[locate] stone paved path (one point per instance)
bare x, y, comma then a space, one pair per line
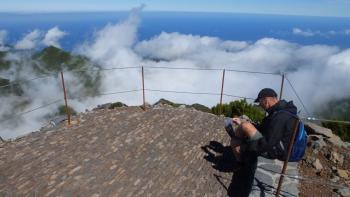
266, 181
122, 152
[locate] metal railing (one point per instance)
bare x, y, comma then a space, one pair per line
144, 90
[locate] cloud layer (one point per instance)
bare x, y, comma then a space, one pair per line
308, 67
3, 35
53, 36
310, 33
29, 41
37, 38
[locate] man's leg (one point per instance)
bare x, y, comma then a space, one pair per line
242, 180
250, 131
237, 136
236, 148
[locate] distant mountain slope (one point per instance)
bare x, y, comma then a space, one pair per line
337, 109
16, 67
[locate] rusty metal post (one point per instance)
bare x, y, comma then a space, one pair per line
65, 98
282, 83
143, 90
222, 91
296, 125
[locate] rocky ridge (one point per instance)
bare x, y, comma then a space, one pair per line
326, 164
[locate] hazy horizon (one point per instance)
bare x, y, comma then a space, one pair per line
167, 11
289, 7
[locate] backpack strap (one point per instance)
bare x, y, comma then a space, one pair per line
301, 129
288, 112
280, 144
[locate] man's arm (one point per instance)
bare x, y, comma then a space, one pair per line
270, 137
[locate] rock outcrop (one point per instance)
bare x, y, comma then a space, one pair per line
325, 167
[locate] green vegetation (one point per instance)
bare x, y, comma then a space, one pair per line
4, 64
234, 108
51, 60
196, 106
63, 111
4, 82
167, 102
54, 60
200, 107
6, 88
117, 104
340, 129
337, 110
238, 108
60, 111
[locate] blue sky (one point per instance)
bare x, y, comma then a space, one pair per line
290, 7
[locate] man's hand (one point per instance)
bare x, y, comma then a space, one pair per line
236, 148
237, 121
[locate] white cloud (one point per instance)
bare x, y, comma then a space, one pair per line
3, 35
230, 45
170, 46
332, 33
29, 41
310, 33
114, 40
52, 37
305, 65
347, 32
300, 32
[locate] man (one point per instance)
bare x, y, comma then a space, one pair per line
269, 139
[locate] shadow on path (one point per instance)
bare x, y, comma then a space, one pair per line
223, 160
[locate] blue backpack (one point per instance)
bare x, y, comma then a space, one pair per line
300, 141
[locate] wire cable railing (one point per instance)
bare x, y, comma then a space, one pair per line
183, 92
303, 178
26, 80
199, 93
309, 118
211, 69
252, 72
31, 110
102, 69
307, 179
297, 95
241, 97
325, 120
105, 94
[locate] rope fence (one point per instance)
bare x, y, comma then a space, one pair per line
308, 179
18, 82
297, 95
184, 92
325, 120
105, 94
283, 75
31, 110
302, 178
102, 69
